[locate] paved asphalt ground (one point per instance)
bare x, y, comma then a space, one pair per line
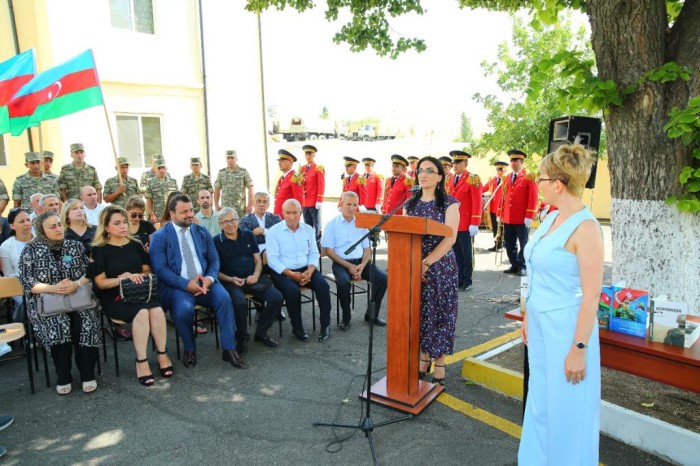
215, 414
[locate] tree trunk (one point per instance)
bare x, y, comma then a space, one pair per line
654, 246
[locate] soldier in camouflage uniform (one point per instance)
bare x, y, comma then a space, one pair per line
32, 182
233, 181
195, 182
4, 197
48, 163
119, 189
77, 174
148, 176
157, 191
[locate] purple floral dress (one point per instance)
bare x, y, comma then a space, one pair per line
439, 296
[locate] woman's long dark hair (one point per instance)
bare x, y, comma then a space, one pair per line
13, 216
440, 193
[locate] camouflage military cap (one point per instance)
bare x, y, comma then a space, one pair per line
157, 159
47, 154
32, 157
231, 153
77, 146
122, 161
195, 160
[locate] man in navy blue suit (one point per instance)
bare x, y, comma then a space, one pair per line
187, 264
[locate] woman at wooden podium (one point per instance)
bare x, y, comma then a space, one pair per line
565, 271
439, 298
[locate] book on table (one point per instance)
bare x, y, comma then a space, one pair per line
672, 324
628, 309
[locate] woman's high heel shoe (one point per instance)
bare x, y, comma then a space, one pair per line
422, 374
166, 372
439, 381
146, 380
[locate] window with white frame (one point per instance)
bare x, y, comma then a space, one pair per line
139, 138
135, 15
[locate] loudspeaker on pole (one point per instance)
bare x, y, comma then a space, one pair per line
565, 130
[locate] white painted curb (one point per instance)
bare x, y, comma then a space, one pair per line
657, 437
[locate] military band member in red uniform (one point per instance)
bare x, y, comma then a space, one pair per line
396, 187
314, 188
290, 184
449, 175
495, 190
466, 188
350, 178
518, 210
372, 186
412, 164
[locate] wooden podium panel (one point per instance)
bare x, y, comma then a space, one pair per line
401, 389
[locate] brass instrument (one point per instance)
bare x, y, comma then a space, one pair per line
499, 230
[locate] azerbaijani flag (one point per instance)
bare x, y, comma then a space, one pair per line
59, 91
14, 73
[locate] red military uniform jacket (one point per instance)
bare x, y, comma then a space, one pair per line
468, 192
449, 183
371, 189
490, 187
520, 198
397, 194
314, 184
289, 186
351, 183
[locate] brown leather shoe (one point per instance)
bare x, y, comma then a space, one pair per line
234, 358
189, 359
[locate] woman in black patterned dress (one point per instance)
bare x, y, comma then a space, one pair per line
52, 264
439, 298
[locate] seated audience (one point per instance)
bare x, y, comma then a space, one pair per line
52, 264
260, 220
207, 216
341, 233
240, 273
117, 256
11, 249
138, 227
88, 195
75, 224
292, 254
50, 203
187, 264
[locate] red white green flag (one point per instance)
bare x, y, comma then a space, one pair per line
56, 92
14, 73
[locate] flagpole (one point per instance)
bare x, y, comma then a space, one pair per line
111, 138
41, 150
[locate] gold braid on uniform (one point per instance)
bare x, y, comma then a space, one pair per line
298, 178
474, 180
408, 181
531, 176
319, 168
361, 180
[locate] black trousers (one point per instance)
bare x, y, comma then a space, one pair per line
85, 357
272, 303
312, 216
514, 234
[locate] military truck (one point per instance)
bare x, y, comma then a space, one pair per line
302, 129
368, 132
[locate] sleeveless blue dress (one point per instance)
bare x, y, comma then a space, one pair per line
561, 424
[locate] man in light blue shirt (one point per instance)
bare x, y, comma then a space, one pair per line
292, 255
341, 233
207, 216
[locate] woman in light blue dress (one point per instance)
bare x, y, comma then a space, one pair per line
565, 274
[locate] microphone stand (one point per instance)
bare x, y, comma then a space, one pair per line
366, 424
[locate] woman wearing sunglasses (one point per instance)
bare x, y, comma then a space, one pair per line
138, 227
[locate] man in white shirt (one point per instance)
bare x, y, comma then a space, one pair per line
88, 195
339, 234
208, 218
292, 254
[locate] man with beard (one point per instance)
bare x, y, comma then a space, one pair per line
187, 264
207, 217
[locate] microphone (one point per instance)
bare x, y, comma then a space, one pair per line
415, 190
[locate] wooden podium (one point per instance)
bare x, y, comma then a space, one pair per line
401, 389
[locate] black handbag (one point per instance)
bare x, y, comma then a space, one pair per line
136, 293
50, 304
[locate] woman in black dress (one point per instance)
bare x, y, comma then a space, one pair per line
76, 225
119, 257
138, 227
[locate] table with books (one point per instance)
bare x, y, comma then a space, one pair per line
673, 365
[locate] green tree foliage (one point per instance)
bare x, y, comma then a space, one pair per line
465, 129
523, 122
